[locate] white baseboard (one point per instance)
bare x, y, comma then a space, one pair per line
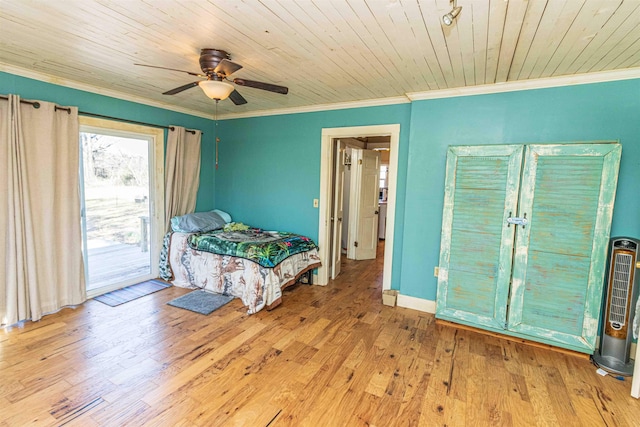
414, 303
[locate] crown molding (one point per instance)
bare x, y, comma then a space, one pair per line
543, 83
47, 78
23, 72
548, 82
320, 107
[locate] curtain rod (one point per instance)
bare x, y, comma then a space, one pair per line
84, 113
36, 104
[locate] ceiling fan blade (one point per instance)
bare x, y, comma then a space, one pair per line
236, 98
227, 67
260, 85
171, 69
181, 88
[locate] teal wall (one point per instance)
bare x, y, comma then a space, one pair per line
604, 111
270, 166
98, 104
269, 169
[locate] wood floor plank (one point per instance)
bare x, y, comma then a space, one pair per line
34, 409
417, 383
117, 413
541, 401
327, 356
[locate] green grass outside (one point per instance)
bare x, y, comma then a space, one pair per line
113, 214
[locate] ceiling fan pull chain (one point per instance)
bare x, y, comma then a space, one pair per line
216, 131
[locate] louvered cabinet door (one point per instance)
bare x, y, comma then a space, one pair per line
481, 190
567, 194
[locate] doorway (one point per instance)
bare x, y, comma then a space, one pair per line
329, 145
121, 172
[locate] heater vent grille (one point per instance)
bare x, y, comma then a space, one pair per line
620, 288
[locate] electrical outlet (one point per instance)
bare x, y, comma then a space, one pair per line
315, 203
436, 271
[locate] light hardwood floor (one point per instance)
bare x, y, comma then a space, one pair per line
328, 356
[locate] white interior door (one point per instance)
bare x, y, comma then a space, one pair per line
338, 211
635, 381
367, 183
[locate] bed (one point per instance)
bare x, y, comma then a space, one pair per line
248, 263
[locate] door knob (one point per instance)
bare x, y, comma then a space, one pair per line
376, 212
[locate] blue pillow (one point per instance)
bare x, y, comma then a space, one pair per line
197, 222
223, 214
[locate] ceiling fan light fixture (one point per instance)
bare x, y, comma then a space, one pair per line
216, 89
449, 17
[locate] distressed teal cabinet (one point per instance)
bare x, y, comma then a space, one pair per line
524, 239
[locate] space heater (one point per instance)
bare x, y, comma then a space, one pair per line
622, 293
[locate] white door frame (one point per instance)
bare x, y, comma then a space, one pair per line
156, 178
328, 146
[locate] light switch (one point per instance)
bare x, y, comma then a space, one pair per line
315, 203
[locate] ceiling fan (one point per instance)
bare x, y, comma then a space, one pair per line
217, 67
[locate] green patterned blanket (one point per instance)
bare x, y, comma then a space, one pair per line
267, 248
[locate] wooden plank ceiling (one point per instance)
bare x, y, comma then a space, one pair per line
325, 51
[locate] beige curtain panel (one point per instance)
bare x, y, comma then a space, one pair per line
182, 172
41, 269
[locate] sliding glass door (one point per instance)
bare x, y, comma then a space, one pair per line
119, 194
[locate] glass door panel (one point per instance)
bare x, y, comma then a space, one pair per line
116, 209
